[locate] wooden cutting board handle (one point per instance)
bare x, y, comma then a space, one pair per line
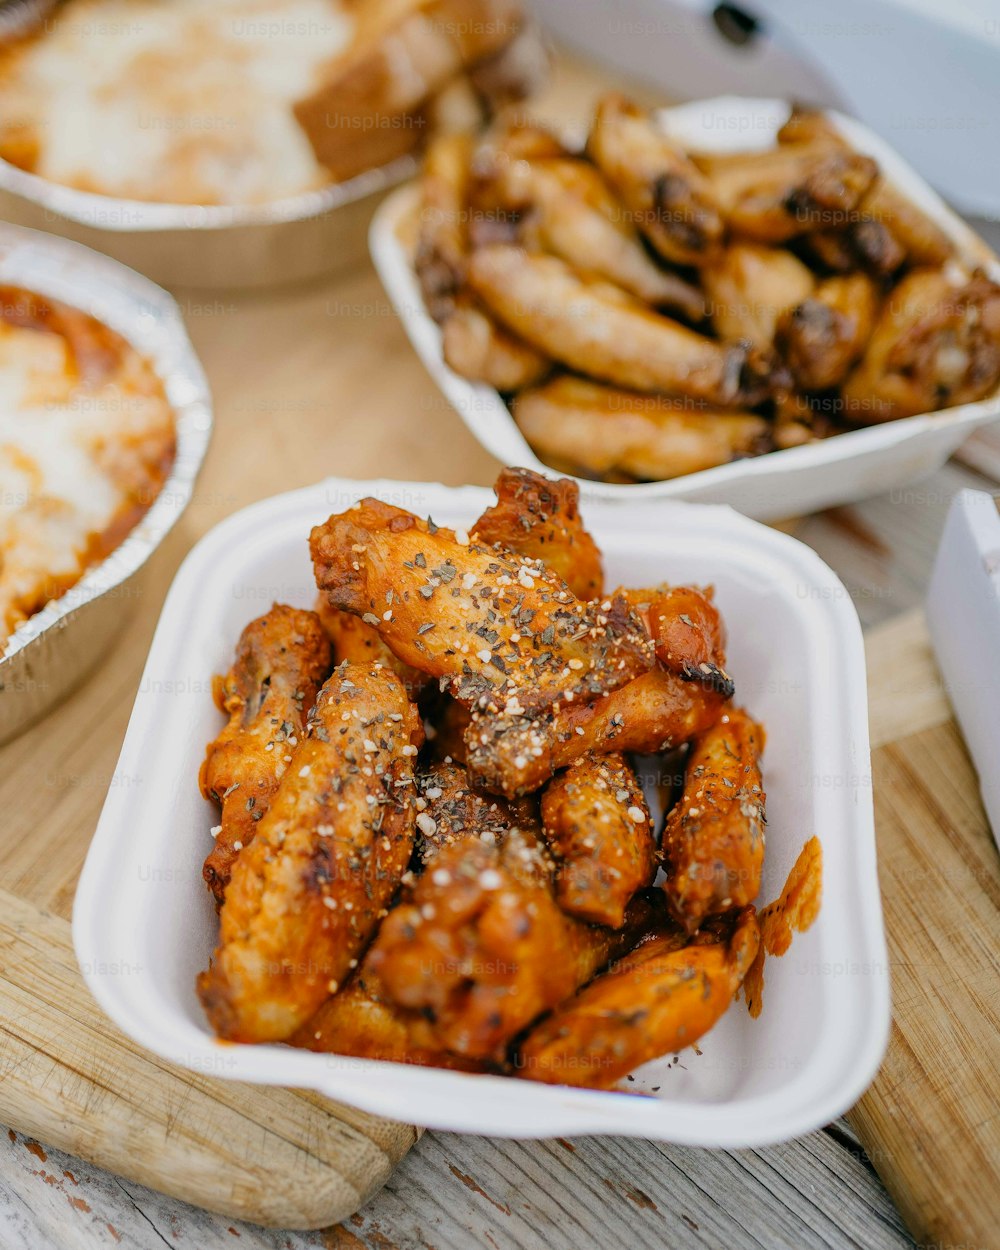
278, 1157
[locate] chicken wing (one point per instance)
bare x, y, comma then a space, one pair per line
936, 344
306, 895
575, 216
666, 196
483, 948
822, 337
689, 635
282, 659
600, 432
546, 303
537, 517
360, 1021
498, 630
450, 808
714, 836
750, 286
598, 827
515, 754
358, 643
777, 194
897, 229
479, 349
656, 1001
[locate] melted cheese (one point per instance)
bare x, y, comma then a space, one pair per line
78, 463
181, 102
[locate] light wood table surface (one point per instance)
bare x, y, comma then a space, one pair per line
322, 381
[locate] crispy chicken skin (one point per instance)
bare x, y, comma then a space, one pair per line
714, 837
658, 711
749, 286
483, 947
497, 629
450, 808
822, 337
548, 304
668, 198
655, 1001
598, 828
282, 659
602, 432
936, 344
537, 517
574, 215
307, 894
358, 643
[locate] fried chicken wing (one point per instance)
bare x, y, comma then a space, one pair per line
598, 827
498, 630
306, 895
450, 808
546, 303
896, 229
822, 337
602, 432
360, 1021
575, 216
537, 517
656, 1001
483, 948
515, 754
358, 643
668, 199
750, 286
714, 836
690, 637
475, 346
936, 343
282, 659
782, 192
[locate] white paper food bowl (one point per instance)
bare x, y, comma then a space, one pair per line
782, 483
144, 924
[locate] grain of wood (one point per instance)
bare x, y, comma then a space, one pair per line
68, 1077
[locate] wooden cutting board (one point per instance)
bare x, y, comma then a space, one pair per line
930, 1123
284, 1158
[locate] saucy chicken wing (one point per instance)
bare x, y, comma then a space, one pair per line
936, 344
483, 947
655, 1001
689, 635
822, 337
548, 304
714, 837
307, 894
750, 286
540, 518
667, 197
515, 754
282, 659
598, 828
601, 432
498, 630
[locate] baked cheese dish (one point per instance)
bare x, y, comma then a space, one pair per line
87, 439
241, 102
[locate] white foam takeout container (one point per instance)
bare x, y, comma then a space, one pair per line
144, 924
779, 484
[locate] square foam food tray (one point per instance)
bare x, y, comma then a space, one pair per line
144, 924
